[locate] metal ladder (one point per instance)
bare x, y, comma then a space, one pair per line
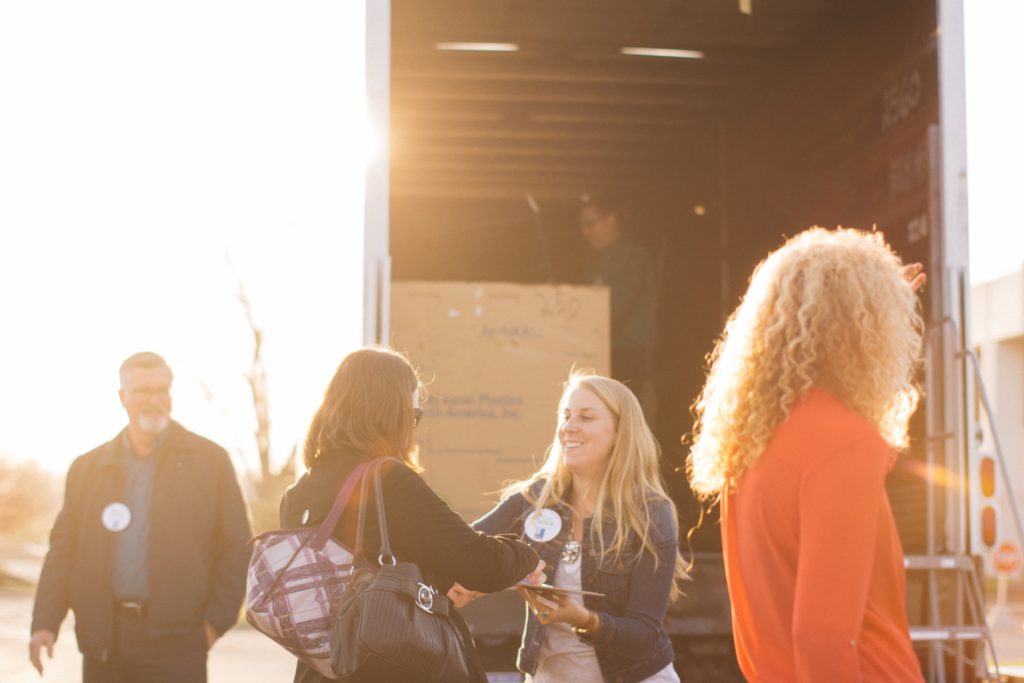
938, 635
946, 447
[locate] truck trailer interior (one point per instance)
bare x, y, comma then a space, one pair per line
796, 113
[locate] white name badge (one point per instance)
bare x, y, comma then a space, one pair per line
542, 525
116, 517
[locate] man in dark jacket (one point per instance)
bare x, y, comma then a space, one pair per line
628, 270
150, 548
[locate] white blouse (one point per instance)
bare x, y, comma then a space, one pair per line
564, 656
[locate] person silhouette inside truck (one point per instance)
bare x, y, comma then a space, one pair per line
627, 269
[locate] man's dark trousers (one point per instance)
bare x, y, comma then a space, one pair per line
139, 658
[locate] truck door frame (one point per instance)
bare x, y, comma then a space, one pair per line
953, 286
376, 254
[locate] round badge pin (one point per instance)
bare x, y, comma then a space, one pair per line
542, 525
116, 517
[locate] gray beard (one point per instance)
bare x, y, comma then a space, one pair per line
153, 425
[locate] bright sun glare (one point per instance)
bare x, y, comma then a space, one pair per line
143, 146
137, 163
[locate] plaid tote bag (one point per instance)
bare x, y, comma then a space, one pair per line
294, 578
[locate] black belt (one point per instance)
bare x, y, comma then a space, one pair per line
134, 608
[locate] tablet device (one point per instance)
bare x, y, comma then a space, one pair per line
546, 589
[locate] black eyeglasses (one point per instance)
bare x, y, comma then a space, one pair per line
417, 415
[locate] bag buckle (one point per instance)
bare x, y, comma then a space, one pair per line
425, 598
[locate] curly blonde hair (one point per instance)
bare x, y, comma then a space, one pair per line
830, 308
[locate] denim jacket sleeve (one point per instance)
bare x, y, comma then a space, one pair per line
650, 584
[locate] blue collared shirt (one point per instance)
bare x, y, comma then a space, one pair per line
131, 547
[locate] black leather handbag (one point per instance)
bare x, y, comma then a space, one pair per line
390, 624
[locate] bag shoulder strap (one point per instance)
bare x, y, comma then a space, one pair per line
326, 528
373, 474
385, 542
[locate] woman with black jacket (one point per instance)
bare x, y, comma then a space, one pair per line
370, 411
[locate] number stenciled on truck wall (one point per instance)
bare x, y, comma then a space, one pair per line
917, 228
901, 98
908, 170
559, 304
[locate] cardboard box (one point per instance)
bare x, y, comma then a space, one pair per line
495, 357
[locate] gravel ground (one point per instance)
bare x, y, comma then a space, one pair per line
242, 655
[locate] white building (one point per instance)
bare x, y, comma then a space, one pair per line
997, 332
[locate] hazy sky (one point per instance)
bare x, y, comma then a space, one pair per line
141, 143
995, 137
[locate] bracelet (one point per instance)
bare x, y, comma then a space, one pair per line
590, 627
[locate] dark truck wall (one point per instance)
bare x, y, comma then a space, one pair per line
847, 142
844, 136
838, 132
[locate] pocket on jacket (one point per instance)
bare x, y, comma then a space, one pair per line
613, 581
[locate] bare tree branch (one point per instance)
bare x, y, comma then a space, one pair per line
257, 380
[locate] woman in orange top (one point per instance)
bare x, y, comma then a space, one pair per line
808, 397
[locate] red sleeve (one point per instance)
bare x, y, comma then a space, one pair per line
839, 503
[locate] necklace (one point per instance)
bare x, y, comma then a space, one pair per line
571, 549
571, 552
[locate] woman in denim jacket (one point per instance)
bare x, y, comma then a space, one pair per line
598, 516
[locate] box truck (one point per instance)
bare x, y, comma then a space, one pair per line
723, 127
